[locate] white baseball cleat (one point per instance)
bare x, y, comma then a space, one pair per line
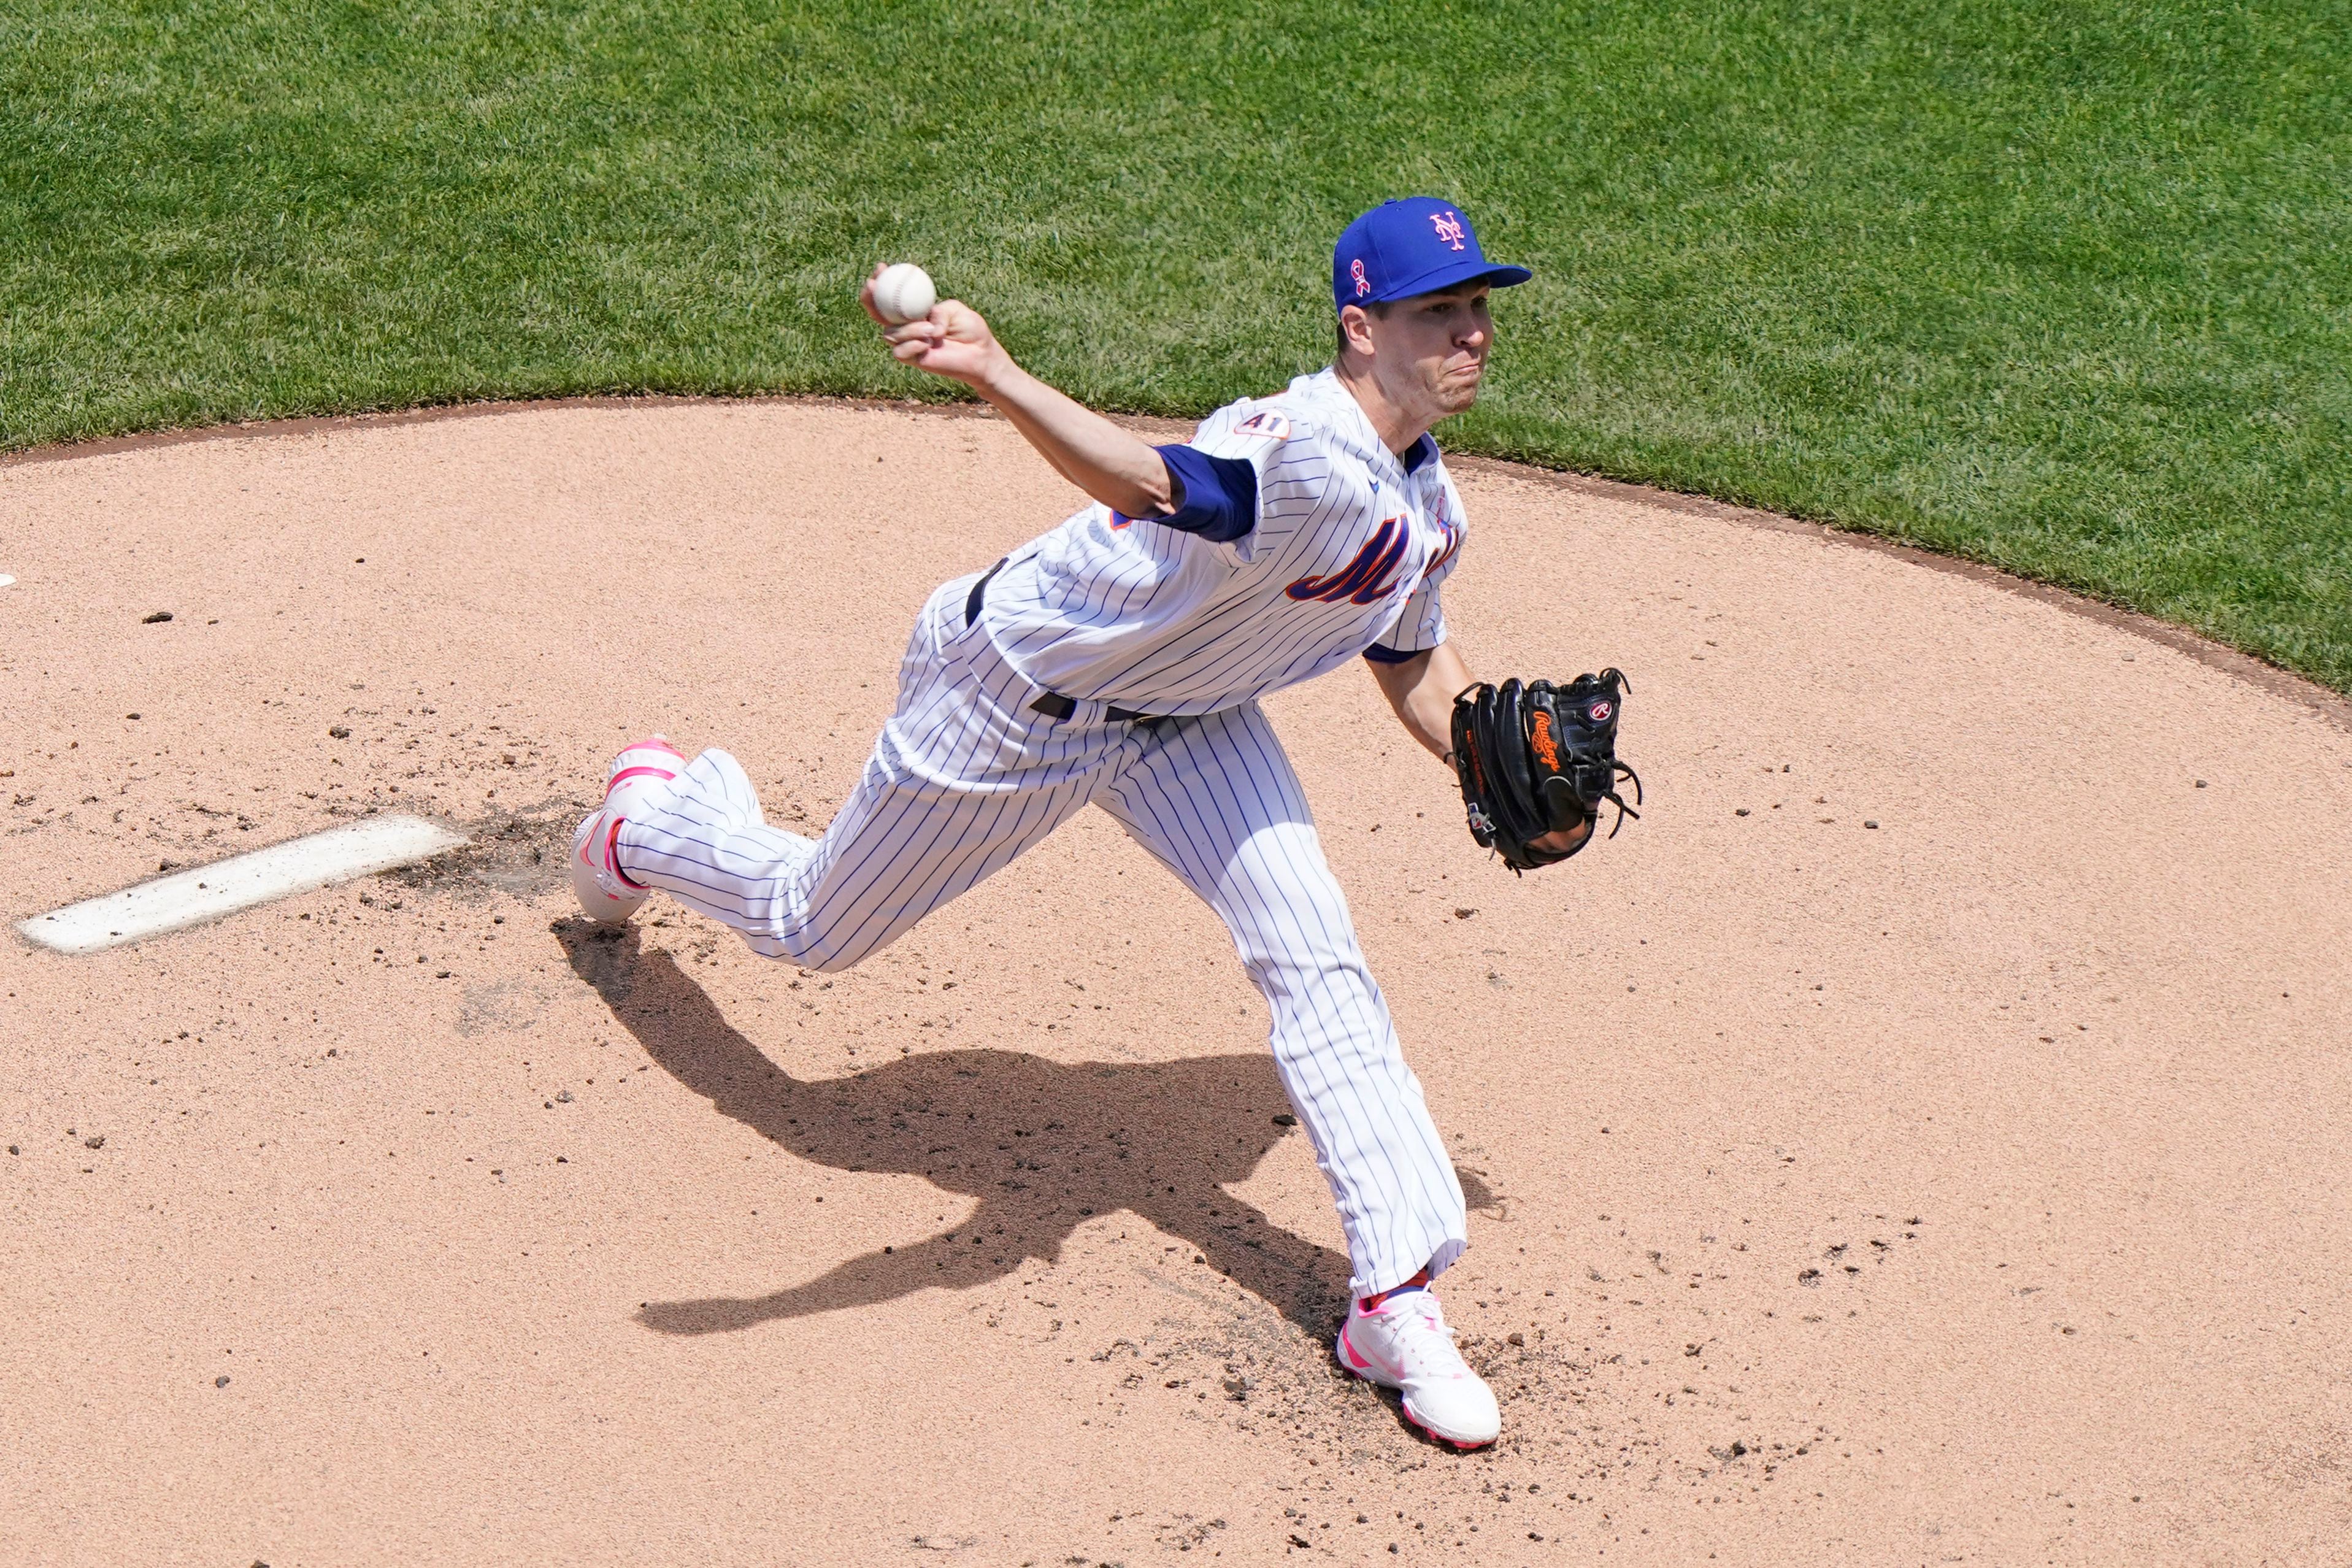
643, 769
1404, 1343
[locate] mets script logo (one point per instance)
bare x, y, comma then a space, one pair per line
1355, 271
1446, 551
1371, 576
1449, 228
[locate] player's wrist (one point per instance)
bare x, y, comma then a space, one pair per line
998, 377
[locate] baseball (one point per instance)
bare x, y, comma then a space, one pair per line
904, 293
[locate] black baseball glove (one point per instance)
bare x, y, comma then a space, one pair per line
1537, 758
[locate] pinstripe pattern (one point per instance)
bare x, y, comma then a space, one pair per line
1163, 621
964, 777
1214, 800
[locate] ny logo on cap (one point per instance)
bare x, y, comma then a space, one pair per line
1449, 228
1363, 284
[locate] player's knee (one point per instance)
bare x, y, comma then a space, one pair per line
823, 950
1305, 970
801, 949
824, 962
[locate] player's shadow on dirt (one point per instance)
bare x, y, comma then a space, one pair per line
1043, 1145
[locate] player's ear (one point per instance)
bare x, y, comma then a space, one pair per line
1355, 329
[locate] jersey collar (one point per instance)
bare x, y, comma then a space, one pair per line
1324, 387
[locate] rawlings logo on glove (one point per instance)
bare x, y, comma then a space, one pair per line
1537, 759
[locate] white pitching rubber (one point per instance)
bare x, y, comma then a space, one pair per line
190, 898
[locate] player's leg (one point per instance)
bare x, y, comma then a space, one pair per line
1215, 800
963, 778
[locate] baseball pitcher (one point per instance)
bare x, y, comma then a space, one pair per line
1120, 661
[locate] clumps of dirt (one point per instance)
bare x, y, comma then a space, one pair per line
1844, 1259
518, 852
1752, 1459
1353, 1445
1263, 1374
1185, 1531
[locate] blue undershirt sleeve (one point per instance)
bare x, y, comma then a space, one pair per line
1216, 497
1380, 655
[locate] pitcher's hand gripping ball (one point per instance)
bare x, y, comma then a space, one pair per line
902, 293
1537, 758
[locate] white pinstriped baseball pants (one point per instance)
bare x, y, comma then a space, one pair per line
964, 777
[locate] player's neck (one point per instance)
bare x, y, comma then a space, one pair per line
1399, 430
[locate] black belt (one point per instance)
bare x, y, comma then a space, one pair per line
979, 594
1052, 704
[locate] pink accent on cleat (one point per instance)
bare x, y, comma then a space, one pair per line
612, 862
640, 775
639, 771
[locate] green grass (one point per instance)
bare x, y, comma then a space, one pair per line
2061, 286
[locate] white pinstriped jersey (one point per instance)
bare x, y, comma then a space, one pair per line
1349, 551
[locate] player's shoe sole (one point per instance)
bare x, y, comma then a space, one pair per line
606, 894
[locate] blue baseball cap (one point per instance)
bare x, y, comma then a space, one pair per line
1415, 245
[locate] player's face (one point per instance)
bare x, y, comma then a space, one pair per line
1430, 351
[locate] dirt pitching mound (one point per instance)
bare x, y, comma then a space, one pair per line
1919, 1138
